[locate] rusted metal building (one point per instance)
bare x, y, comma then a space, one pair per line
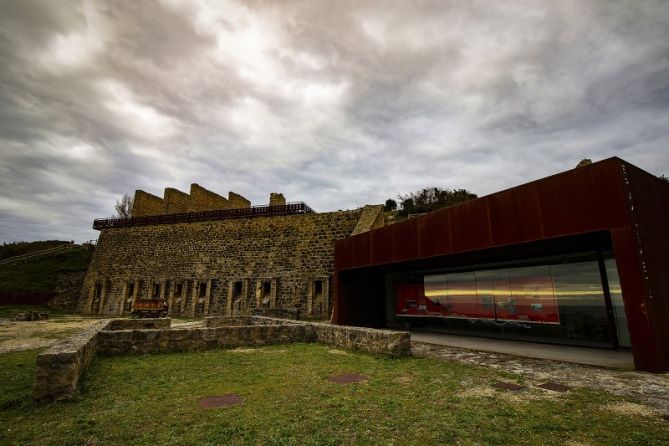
581, 258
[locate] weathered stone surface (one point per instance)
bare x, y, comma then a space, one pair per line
372, 218
369, 340
231, 267
68, 290
124, 342
133, 324
145, 204
228, 321
175, 201
202, 199
59, 368
276, 198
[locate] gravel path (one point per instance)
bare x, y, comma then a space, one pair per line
647, 388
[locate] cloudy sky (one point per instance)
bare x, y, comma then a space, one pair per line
335, 103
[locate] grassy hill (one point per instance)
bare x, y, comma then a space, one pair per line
40, 274
19, 248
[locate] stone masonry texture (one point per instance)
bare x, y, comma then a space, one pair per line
225, 267
175, 201
60, 368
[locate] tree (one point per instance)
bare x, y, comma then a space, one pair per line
390, 205
432, 198
664, 178
124, 207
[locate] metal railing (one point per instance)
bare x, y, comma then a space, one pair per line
222, 214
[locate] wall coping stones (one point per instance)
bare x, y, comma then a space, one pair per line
130, 324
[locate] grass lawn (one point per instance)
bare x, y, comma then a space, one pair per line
152, 400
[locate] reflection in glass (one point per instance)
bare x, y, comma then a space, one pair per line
617, 302
532, 296
559, 301
461, 300
581, 299
435, 289
492, 288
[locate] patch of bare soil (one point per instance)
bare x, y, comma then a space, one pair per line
630, 409
17, 336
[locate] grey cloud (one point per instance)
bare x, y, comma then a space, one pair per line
334, 103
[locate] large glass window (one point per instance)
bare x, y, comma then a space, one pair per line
560, 300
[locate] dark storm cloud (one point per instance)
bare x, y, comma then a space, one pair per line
335, 103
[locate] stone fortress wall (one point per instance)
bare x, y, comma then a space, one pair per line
174, 201
224, 267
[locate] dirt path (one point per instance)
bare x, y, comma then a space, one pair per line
17, 336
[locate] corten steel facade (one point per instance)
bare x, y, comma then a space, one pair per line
609, 206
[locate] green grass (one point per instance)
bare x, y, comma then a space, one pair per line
152, 400
19, 248
40, 274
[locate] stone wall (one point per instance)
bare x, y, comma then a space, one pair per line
59, 368
206, 200
175, 201
237, 201
276, 198
385, 342
138, 324
123, 342
372, 218
68, 290
222, 332
369, 340
145, 204
224, 267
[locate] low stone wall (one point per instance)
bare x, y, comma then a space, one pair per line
125, 342
385, 342
60, 367
229, 321
138, 324
368, 340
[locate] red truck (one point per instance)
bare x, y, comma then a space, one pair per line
149, 308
